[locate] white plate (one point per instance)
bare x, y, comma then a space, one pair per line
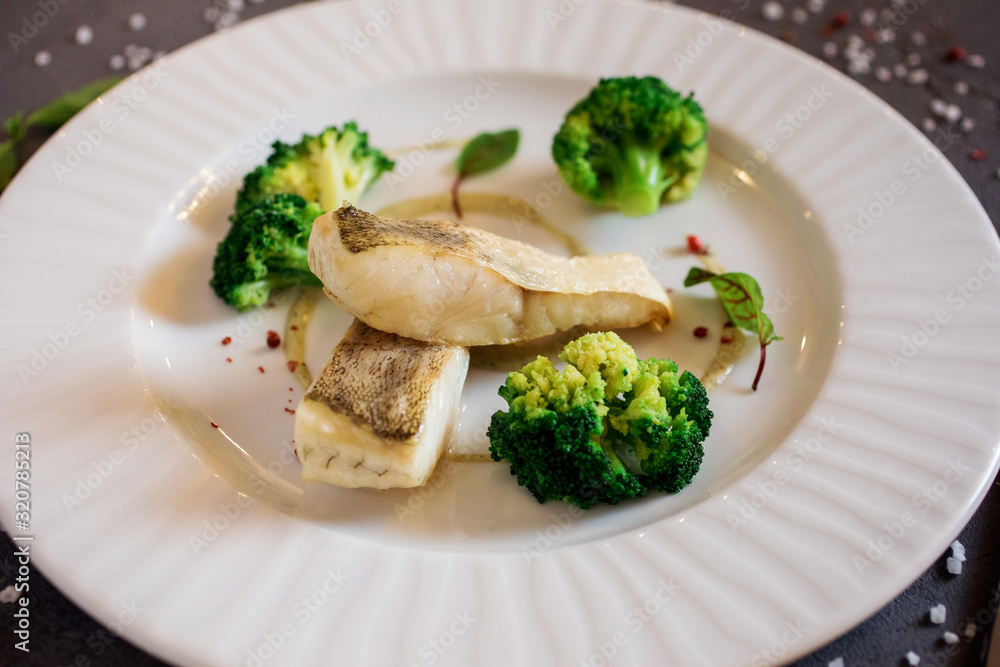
872, 439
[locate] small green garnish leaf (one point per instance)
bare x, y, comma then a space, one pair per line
484, 152
743, 301
487, 151
54, 115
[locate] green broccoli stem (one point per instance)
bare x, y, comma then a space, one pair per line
278, 281
639, 176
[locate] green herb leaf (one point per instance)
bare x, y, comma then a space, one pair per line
487, 151
743, 301
55, 114
8, 162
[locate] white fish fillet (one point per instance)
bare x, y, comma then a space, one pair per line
449, 283
380, 411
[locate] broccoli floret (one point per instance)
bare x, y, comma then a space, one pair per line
664, 420
265, 249
566, 432
632, 144
329, 168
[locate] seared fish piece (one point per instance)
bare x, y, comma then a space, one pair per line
379, 412
449, 283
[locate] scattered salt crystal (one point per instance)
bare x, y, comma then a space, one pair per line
975, 61
226, 20
859, 66
939, 107
211, 14
137, 21
830, 49
116, 62
9, 594
950, 638
883, 74
885, 36
43, 58
131, 50
899, 70
958, 550
912, 59
836, 662
917, 77
868, 17
954, 565
84, 35
939, 614
967, 125
912, 658
772, 11
929, 124
815, 6
800, 16
918, 38
953, 113
855, 41
961, 87
969, 631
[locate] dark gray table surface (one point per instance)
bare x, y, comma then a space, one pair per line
63, 634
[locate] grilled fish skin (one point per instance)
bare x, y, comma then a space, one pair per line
379, 412
448, 283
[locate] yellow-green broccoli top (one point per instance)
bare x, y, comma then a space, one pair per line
566, 433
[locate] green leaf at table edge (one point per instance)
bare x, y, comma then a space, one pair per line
487, 151
8, 162
56, 113
50, 117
